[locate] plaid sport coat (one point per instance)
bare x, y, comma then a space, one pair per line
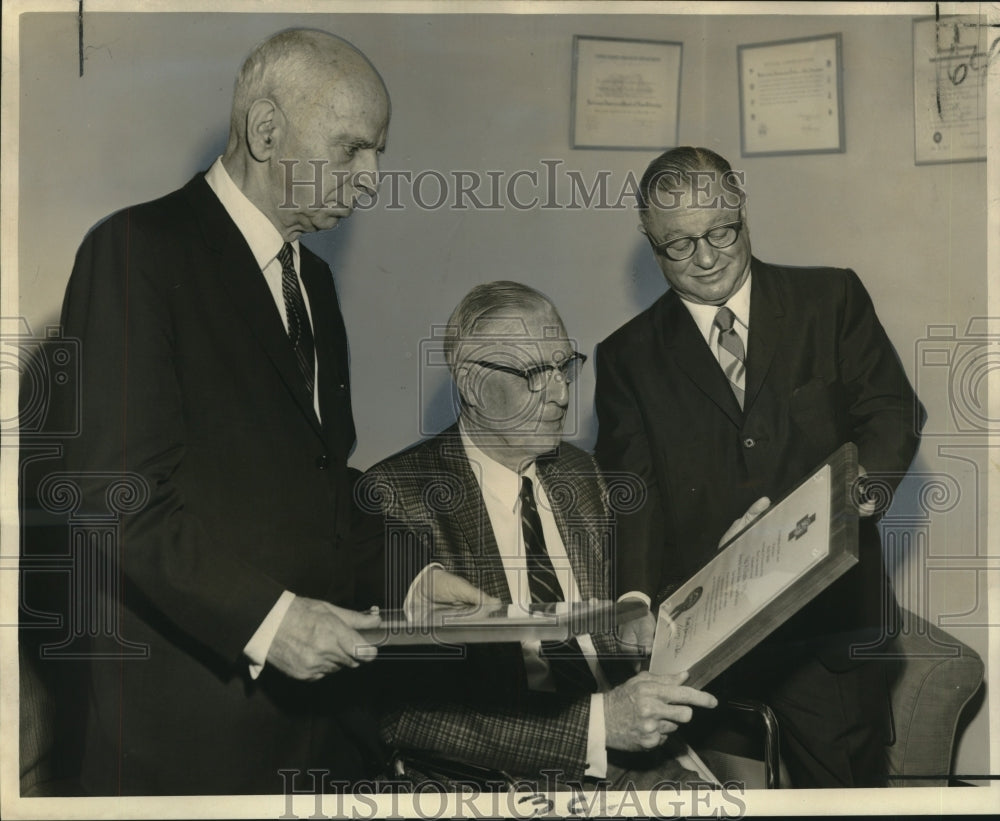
474, 704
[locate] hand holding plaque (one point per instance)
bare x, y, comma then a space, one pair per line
762, 575
758, 507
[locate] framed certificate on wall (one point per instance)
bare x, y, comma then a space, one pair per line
626, 93
762, 576
951, 59
791, 97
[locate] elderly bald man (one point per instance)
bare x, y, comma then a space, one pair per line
215, 371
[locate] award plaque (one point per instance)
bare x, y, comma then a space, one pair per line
554, 621
762, 576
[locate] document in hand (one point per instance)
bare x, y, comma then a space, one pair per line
763, 575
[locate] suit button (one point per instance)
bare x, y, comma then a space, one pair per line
749, 442
322, 461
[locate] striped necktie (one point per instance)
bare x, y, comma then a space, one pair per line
732, 355
569, 667
299, 330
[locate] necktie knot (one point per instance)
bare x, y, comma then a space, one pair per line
527, 491
285, 257
724, 318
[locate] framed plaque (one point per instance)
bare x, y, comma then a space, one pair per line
791, 97
626, 93
762, 576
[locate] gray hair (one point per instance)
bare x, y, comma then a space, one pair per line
502, 298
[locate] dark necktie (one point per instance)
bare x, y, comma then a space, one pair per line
566, 661
732, 355
299, 330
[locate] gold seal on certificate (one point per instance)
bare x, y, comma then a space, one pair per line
762, 576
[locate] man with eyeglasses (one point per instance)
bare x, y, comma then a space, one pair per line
734, 385
500, 500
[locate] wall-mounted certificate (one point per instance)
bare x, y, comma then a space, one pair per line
761, 577
625, 93
951, 58
791, 97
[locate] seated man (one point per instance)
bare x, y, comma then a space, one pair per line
525, 519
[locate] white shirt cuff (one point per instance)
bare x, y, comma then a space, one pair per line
597, 753
636, 594
260, 642
407, 602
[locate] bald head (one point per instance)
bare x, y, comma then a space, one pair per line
310, 117
300, 69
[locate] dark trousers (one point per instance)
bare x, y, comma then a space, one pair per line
833, 724
834, 714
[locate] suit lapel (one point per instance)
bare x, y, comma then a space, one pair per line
470, 519
686, 346
329, 336
237, 269
767, 319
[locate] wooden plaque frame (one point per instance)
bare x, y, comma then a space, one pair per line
726, 640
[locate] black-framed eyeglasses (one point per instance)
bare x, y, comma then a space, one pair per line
682, 248
537, 376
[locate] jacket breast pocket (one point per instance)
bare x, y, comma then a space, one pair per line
817, 408
815, 391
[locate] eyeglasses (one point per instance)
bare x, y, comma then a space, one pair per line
721, 236
537, 376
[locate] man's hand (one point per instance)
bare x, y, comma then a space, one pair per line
316, 638
636, 636
436, 589
642, 712
867, 507
758, 507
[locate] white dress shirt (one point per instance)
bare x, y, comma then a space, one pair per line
501, 488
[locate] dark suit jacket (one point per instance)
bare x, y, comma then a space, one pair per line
190, 381
820, 372
478, 708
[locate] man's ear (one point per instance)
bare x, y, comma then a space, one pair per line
466, 384
265, 124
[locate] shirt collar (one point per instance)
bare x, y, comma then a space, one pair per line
495, 480
259, 232
738, 303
